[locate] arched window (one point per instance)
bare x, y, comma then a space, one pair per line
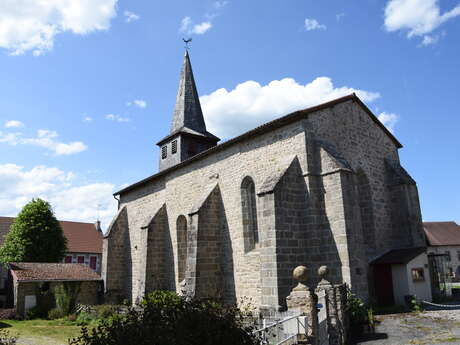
181, 229
249, 211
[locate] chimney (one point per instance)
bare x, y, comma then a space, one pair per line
97, 225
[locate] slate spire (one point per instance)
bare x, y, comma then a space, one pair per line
188, 136
187, 112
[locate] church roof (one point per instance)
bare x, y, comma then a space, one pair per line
188, 116
282, 121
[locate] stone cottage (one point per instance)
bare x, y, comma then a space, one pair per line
31, 281
320, 186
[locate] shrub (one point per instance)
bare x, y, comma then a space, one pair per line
104, 311
66, 295
164, 318
55, 313
36, 313
84, 319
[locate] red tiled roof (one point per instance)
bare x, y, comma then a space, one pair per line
442, 233
37, 271
81, 237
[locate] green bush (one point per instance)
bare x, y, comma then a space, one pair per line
104, 311
84, 319
167, 319
66, 295
55, 313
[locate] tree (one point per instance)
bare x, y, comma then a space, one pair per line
35, 236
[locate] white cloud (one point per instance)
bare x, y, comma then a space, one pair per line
13, 124
189, 28
117, 118
32, 25
389, 120
339, 16
418, 17
220, 4
229, 113
130, 16
87, 119
201, 28
429, 40
140, 103
70, 200
46, 139
313, 24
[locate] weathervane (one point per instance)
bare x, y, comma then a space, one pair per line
187, 41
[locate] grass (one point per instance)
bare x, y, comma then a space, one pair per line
42, 332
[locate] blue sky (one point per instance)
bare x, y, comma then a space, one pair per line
88, 87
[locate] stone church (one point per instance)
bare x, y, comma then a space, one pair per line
320, 186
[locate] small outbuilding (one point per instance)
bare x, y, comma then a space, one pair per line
30, 283
401, 273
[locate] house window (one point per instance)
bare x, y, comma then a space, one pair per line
164, 152
81, 259
249, 212
458, 255
174, 147
93, 262
418, 275
68, 259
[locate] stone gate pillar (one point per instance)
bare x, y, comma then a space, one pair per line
333, 300
304, 299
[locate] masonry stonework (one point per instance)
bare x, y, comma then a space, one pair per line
329, 191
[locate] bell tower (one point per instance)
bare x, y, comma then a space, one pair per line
188, 135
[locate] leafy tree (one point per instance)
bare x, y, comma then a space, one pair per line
164, 318
35, 236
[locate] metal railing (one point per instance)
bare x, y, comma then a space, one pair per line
282, 332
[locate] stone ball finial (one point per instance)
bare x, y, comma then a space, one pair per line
323, 271
300, 274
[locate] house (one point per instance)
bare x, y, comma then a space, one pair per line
32, 281
407, 274
320, 186
443, 238
84, 241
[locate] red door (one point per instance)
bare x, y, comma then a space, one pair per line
383, 280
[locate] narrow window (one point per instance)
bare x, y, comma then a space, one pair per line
80, 259
93, 262
68, 259
249, 212
164, 152
174, 147
181, 229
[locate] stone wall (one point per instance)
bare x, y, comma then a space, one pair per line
314, 211
89, 292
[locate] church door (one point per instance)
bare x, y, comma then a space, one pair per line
383, 280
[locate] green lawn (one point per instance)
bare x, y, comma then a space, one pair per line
41, 332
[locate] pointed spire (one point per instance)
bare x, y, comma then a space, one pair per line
187, 112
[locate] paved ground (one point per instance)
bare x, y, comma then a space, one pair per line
426, 328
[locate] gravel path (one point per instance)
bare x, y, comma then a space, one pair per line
426, 328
